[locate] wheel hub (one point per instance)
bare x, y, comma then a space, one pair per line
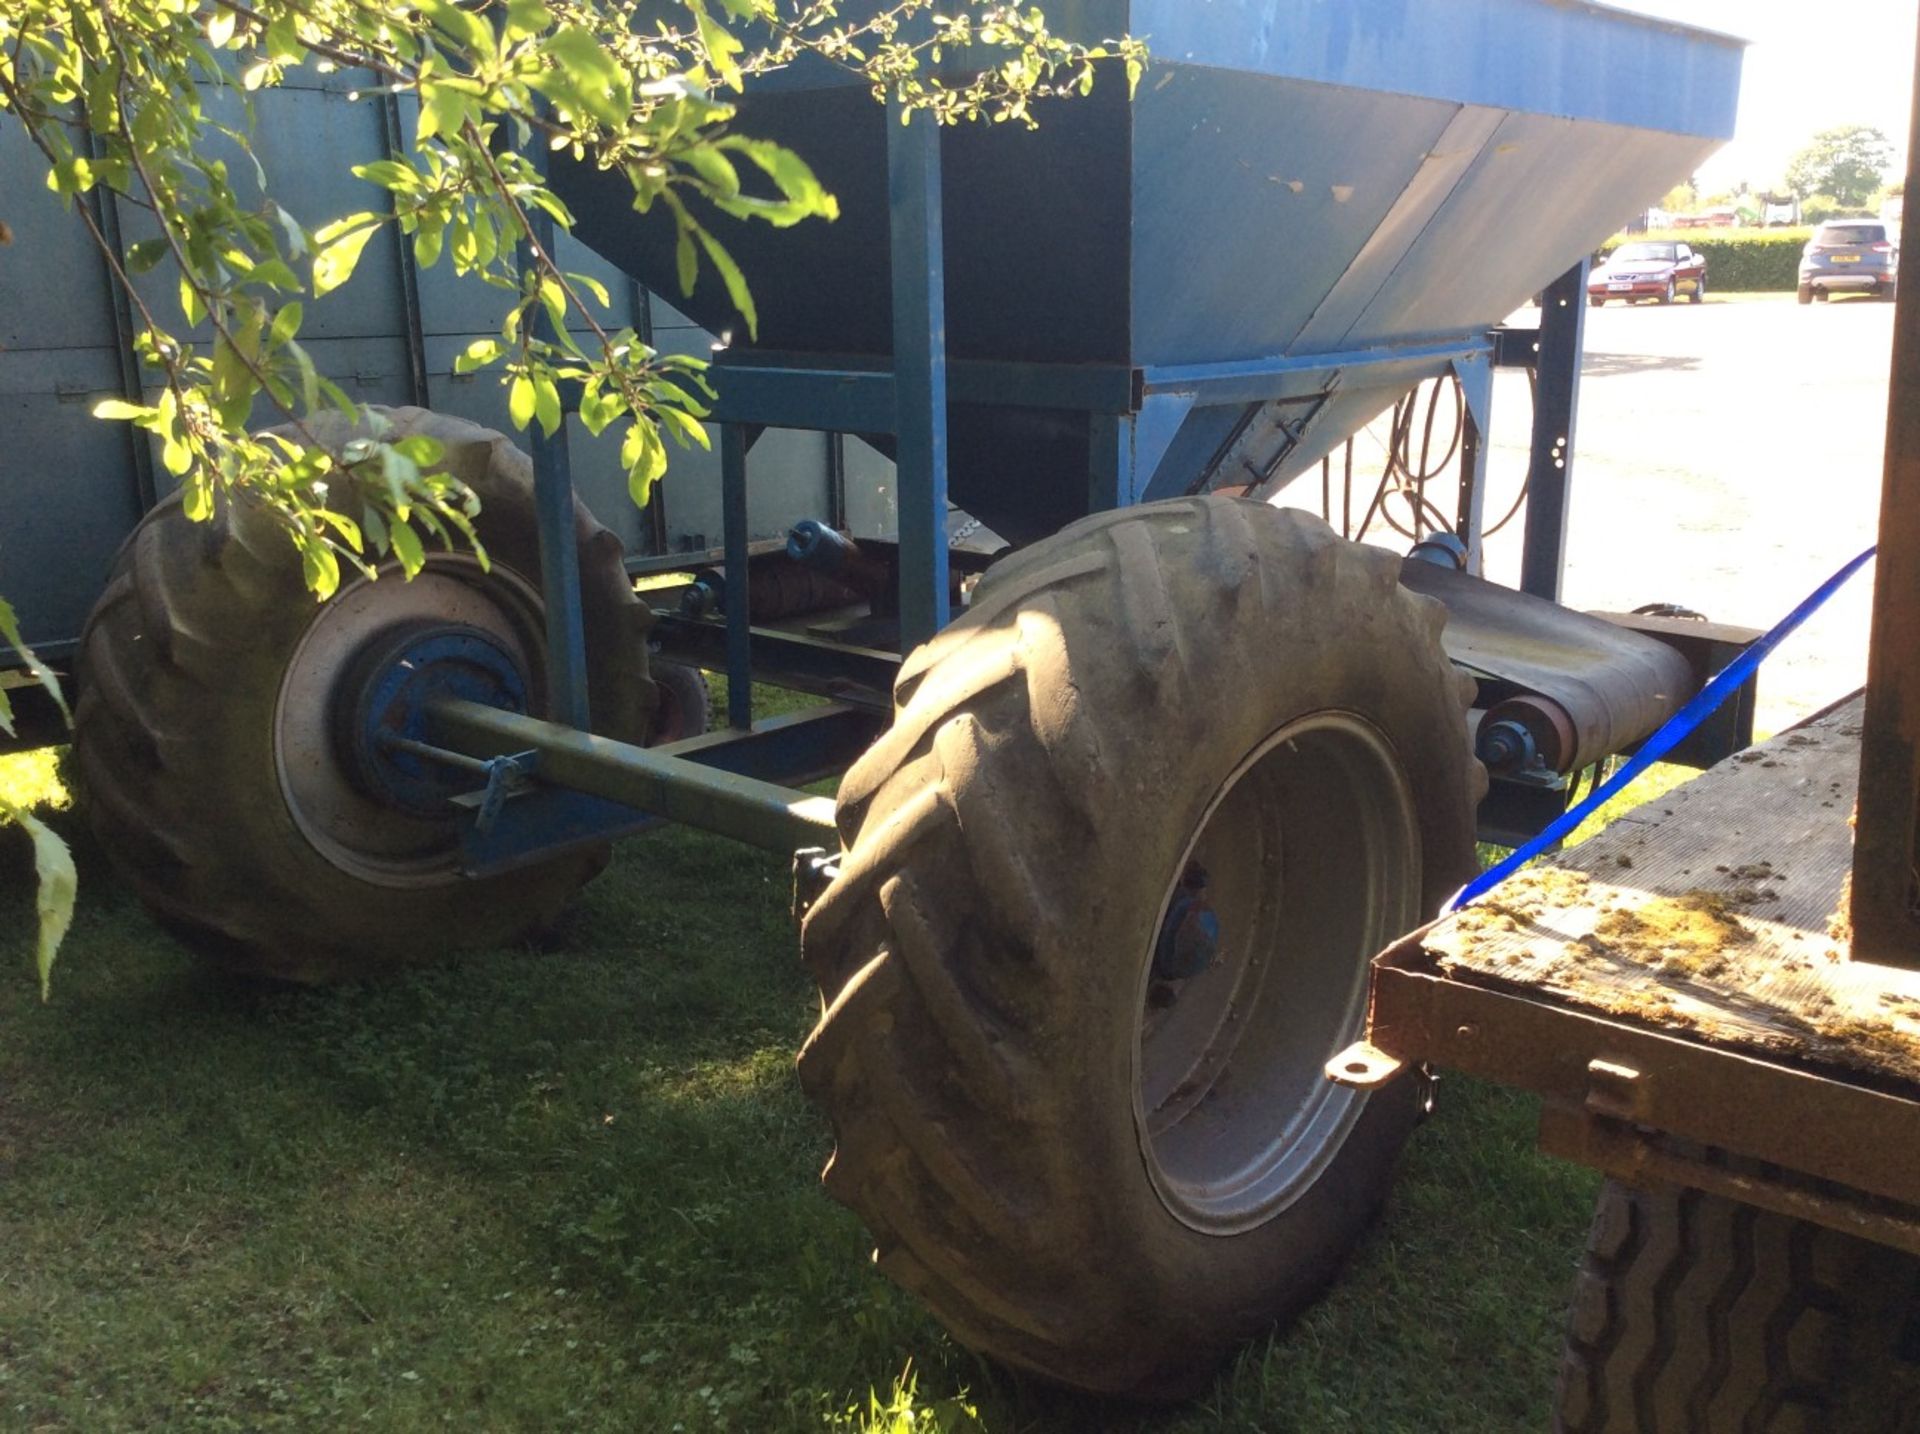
370, 663
384, 700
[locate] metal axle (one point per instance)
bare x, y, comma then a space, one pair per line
747, 810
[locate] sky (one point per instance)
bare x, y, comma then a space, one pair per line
1811, 66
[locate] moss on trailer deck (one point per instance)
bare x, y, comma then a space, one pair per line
1717, 911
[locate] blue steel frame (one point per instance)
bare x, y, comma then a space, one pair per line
1134, 415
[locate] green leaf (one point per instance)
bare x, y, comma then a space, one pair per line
478, 354
805, 194
142, 257
736, 281
406, 547
10, 630
686, 429
546, 403
686, 257
723, 47
320, 568
520, 400
555, 299
427, 244
286, 323
462, 27
119, 408
59, 883
645, 457
526, 17
595, 287
715, 168
421, 450
589, 75
338, 256
443, 109
388, 174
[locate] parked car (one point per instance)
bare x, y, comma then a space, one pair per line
1651, 269
1850, 256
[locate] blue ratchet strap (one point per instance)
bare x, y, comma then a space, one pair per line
1724, 684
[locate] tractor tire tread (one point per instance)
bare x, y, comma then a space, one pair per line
946, 1055
1698, 1314
180, 667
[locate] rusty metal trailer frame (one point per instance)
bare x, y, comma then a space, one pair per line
1646, 1106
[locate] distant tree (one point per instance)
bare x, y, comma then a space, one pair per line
1847, 162
1678, 200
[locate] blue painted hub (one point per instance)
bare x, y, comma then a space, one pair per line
386, 698
1190, 936
1505, 746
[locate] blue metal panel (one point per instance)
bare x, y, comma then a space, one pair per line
1252, 198
1540, 193
1555, 57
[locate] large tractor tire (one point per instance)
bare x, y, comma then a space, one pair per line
216, 705
1096, 1156
1696, 1314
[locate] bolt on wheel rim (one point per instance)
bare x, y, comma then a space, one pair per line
1311, 859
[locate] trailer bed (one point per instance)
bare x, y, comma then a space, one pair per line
1678, 989
1717, 911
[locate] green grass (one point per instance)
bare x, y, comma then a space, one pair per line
576, 1187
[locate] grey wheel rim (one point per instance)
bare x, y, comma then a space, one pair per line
1312, 853
360, 835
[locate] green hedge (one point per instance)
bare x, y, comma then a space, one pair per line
1738, 260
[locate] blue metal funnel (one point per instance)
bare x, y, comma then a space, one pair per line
1308, 202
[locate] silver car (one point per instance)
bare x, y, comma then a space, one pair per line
1849, 256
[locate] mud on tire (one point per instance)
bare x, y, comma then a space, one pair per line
995, 1078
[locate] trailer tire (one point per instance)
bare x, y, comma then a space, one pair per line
1011, 1107
686, 702
1697, 1314
224, 808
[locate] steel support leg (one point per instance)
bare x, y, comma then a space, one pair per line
559, 553
733, 524
920, 373
1476, 387
1563, 320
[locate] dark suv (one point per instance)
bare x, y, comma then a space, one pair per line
1849, 255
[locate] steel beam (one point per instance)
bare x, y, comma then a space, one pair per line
1280, 375
790, 750
1476, 387
733, 525
861, 675
692, 793
105, 205
848, 395
1563, 322
920, 372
